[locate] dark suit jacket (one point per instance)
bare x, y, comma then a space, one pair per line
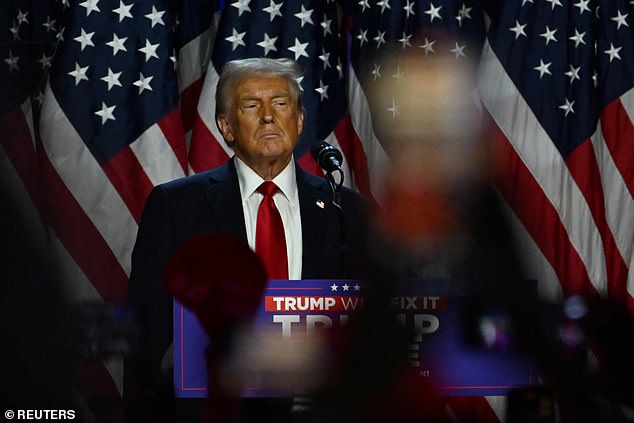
210, 202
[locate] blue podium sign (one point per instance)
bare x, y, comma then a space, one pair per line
430, 309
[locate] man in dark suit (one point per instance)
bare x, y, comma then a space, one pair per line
260, 114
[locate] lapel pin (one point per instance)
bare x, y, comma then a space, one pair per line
320, 204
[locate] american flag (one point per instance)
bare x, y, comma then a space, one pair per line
305, 31
195, 35
110, 128
387, 26
556, 78
27, 42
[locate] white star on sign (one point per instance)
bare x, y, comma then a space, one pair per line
299, 49
346, 287
143, 83
106, 112
123, 11
156, 16
79, 73
85, 39
333, 287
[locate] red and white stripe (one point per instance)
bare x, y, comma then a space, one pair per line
579, 210
193, 60
93, 209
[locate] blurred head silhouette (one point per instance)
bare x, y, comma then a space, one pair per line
426, 119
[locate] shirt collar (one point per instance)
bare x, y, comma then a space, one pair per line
249, 181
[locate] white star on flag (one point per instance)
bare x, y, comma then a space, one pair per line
79, 73
123, 10
143, 83
149, 50
106, 113
299, 49
91, 6
156, 16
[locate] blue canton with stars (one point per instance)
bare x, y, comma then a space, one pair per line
114, 72
28, 38
305, 31
451, 27
568, 59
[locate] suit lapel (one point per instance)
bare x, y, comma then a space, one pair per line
223, 198
314, 206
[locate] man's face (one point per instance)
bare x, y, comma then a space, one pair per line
263, 123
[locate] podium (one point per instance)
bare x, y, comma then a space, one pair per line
430, 309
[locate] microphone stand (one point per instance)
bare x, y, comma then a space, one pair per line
335, 191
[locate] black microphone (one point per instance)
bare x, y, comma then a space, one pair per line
328, 157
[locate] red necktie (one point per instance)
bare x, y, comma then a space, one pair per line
270, 242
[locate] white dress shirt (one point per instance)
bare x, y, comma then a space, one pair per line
287, 202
